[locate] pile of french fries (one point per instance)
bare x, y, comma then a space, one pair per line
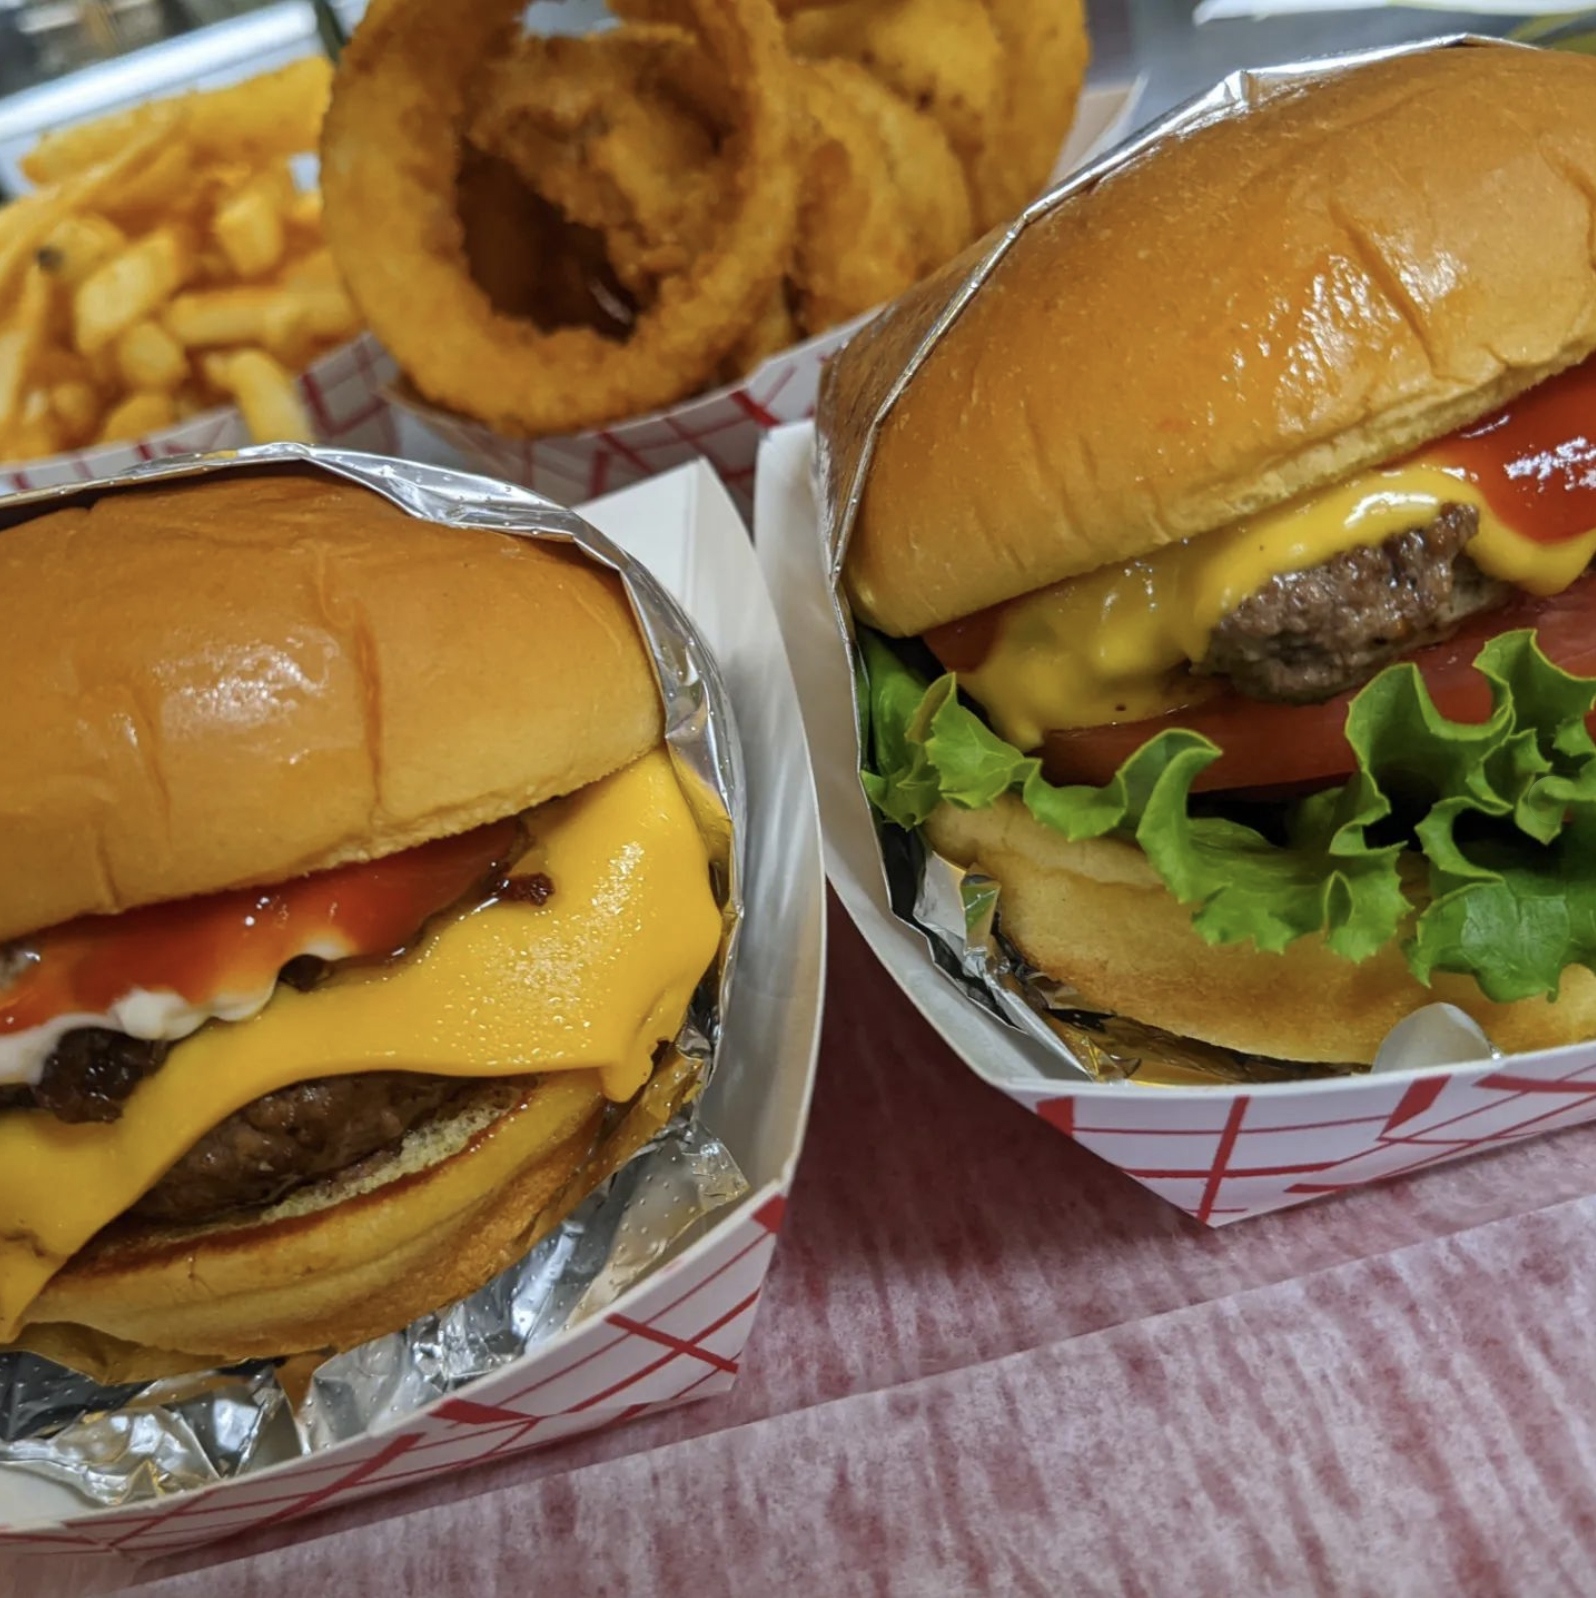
165, 263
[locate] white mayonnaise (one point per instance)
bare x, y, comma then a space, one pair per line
143, 1013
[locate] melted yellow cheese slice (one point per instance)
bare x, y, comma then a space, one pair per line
1114, 645
593, 979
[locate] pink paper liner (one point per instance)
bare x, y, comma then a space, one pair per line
1223, 1154
723, 427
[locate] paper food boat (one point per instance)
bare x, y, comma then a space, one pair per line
724, 426
343, 391
1219, 1153
678, 1333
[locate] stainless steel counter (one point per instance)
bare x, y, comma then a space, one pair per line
1180, 59
1157, 37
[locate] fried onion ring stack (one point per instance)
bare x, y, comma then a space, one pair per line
557, 233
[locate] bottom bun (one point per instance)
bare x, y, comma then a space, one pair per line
337, 1263
1094, 914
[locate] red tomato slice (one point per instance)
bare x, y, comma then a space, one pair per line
1268, 745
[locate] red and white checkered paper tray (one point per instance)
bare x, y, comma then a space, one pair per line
679, 1332
1220, 1153
343, 391
724, 426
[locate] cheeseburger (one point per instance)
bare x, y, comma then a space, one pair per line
344, 882
1223, 569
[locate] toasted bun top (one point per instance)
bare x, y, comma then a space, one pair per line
1244, 313
239, 680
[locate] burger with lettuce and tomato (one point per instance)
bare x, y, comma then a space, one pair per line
1222, 574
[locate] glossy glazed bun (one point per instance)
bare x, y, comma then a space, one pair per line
1257, 308
246, 678
337, 1263
1096, 915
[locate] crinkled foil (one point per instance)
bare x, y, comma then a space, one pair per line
957, 911
659, 1170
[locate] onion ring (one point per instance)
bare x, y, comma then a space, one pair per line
855, 249
671, 10
943, 57
1045, 48
590, 123
923, 170
529, 259
776, 329
390, 155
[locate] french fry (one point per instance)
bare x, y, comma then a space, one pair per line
308, 317
36, 428
159, 235
129, 287
76, 245
32, 442
26, 223
314, 269
303, 213
137, 415
148, 357
164, 185
206, 318
269, 117
70, 151
104, 370
76, 408
248, 226
20, 336
259, 120
265, 393
261, 315
212, 267
55, 363
191, 399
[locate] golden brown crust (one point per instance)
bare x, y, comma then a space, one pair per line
1096, 915
340, 1263
240, 680
1254, 310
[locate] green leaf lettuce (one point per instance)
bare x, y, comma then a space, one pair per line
1496, 821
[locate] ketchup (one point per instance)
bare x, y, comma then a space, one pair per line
1535, 459
963, 644
234, 943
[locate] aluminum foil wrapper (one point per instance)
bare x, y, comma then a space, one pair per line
958, 912
659, 1170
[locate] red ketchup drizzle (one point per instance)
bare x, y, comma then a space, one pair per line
1535, 459
235, 943
963, 644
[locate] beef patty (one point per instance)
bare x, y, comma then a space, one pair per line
1310, 635
294, 1136
88, 1075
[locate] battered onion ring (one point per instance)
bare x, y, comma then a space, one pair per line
1046, 50
592, 123
856, 247
671, 10
529, 259
390, 155
777, 329
925, 173
944, 57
